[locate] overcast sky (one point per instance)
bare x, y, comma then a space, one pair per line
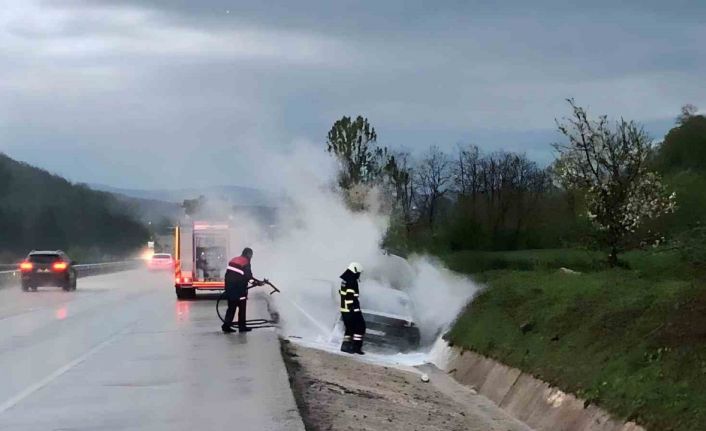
134, 93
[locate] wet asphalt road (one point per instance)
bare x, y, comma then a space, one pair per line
121, 353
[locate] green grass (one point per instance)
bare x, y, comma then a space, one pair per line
632, 341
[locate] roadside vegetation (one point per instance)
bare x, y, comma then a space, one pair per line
39, 210
594, 266
632, 340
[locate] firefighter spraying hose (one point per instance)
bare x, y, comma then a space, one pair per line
238, 280
252, 323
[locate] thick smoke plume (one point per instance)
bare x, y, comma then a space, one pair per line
314, 239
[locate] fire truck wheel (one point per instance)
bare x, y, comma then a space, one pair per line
182, 293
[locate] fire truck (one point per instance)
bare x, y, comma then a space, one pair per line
201, 251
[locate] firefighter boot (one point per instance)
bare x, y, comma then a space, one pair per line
347, 345
358, 347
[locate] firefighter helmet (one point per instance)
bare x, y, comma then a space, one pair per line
355, 268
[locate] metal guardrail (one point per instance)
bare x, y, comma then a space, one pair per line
6, 277
107, 267
12, 276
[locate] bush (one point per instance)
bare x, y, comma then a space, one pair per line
692, 246
463, 234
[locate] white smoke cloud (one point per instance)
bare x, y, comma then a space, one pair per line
315, 239
439, 295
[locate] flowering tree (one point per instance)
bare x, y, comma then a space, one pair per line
610, 163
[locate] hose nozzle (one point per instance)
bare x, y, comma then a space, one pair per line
269, 283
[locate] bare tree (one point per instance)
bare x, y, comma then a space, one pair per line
432, 180
467, 178
466, 170
528, 184
498, 172
400, 174
502, 188
610, 164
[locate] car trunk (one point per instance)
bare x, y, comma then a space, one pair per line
42, 271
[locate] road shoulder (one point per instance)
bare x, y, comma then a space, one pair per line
339, 392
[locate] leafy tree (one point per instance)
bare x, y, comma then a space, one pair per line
12, 230
5, 179
681, 158
684, 147
48, 232
354, 144
611, 164
193, 206
687, 111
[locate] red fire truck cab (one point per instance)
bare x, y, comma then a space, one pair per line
201, 253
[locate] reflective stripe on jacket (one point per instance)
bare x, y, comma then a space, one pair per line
349, 292
238, 275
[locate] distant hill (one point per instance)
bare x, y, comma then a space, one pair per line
162, 205
39, 210
149, 210
232, 195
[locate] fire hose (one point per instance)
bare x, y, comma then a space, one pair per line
250, 323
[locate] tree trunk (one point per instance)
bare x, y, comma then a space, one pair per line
432, 204
613, 257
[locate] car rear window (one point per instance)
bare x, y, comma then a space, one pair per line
44, 258
162, 256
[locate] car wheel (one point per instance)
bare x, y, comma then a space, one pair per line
25, 287
73, 282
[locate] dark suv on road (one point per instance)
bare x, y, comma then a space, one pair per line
48, 268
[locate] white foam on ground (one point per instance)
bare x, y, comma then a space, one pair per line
402, 360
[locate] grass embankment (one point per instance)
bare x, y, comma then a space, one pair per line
630, 340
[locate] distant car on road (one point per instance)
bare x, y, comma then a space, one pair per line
48, 268
161, 261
